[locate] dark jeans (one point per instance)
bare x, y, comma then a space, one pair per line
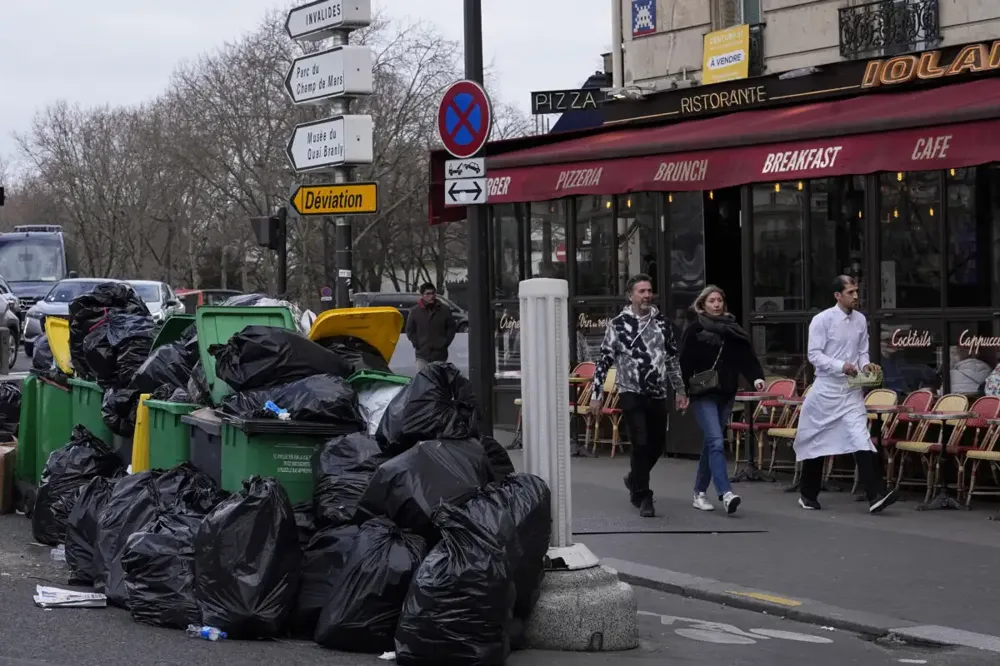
646, 421
869, 475
712, 414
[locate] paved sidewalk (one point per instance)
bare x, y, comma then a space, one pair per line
924, 568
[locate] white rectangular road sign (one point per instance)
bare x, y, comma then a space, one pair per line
473, 167
316, 20
466, 192
330, 143
342, 70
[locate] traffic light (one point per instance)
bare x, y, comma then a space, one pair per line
3, 197
272, 233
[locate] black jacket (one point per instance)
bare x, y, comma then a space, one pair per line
698, 352
431, 330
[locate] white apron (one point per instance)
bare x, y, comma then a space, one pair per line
833, 421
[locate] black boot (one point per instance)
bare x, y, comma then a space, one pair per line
636, 501
646, 509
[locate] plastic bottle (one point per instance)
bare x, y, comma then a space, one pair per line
208, 633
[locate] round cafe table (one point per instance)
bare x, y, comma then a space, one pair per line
749, 400
940, 498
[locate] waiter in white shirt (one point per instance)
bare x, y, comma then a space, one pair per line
834, 421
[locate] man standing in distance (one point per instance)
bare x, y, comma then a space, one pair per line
639, 344
833, 420
430, 327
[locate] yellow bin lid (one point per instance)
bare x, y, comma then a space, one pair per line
379, 327
57, 331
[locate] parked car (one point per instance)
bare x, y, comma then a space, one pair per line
159, 298
54, 304
13, 302
195, 298
404, 301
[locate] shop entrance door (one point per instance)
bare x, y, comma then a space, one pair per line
723, 253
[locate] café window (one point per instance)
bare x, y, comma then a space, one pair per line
508, 248
836, 225
636, 236
686, 211
781, 350
548, 240
973, 350
595, 246
590, 323
911, 356
910, 230
779, 211
973, 235
507, 343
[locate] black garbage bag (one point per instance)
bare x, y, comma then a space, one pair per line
369, 589
119, 409
460, 603
500, 461
409, 487
262, 356
87, 310
41, 354
197, 387
185, 489
305, 522
439, 403
319, 399
67, 471
342, 469
158, 566
179, 395
252, 531
81, 529
244, 300
356, 353
528, 499
168, 365
10, 410
323, 557
118, 346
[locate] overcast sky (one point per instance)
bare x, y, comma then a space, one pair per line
97, 52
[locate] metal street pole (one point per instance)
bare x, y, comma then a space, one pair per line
344, 252
480, 313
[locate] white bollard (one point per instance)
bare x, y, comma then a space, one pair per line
602, 608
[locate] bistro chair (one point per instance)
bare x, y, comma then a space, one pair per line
765, 416
979, 430
901, 426
784, 434
610, 410
880, 397
585, 369
989, 453
924, 448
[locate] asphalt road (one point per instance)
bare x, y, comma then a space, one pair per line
682, 630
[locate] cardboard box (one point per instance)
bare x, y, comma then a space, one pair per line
7, 460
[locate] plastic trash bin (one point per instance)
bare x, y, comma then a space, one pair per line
173, 328
205, 442
379, 327
45, 426
169, 437
216, 324
57, 331
269, 447
87, 400
140, 440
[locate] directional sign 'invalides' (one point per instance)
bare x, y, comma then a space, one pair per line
339, 199
316, 20
342, 70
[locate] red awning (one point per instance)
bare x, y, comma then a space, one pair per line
948, 127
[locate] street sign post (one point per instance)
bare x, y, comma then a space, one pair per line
318, 20
464, 119
326, 144
336, 72
336, 199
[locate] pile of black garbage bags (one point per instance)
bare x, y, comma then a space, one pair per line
421, 539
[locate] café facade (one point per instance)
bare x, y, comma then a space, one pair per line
885, 169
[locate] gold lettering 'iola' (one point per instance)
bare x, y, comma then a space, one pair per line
972, 59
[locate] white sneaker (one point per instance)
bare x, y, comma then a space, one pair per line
701, 503
731, 501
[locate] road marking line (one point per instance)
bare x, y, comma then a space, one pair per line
792, 636
760, 596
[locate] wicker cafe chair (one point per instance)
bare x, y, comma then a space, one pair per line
902, 426
765, 416
880, 397
784, 434
927, 449
975, 432
989, 453
610, 410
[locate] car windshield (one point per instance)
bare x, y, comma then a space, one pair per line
29, 259
64, 292
147, 292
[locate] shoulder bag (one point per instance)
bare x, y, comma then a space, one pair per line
707, 380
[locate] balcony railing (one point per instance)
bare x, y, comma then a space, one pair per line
888, 27
756, 63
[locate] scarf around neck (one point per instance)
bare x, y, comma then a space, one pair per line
722, 327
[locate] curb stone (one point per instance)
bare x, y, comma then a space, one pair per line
801, 610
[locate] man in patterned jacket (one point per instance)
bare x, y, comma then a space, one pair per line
639, 343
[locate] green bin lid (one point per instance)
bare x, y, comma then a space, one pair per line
172, 330
366, 376
217, 323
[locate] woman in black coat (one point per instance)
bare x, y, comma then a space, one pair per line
715, 350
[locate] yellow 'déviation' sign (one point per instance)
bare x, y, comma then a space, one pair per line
344, 199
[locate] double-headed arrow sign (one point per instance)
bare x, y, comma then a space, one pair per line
469, 191
336, 72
